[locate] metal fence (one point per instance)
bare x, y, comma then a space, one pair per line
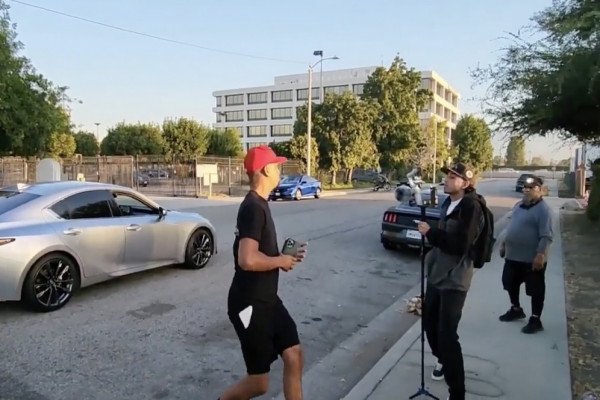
153, 175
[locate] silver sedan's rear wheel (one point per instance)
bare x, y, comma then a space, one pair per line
199, 249
50, 283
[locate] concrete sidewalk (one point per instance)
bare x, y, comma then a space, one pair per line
500, 361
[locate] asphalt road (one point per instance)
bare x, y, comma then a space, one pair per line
164, 334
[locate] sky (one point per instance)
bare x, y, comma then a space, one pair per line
120, 76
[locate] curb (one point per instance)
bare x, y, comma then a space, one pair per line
368, 384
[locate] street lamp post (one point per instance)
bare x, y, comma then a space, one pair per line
309, 116
97, 135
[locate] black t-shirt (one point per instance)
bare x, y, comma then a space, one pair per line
254, 221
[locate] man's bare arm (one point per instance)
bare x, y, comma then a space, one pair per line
252, 259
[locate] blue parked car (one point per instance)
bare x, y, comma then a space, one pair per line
297, 187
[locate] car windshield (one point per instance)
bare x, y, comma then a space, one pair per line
10, 200
291, 179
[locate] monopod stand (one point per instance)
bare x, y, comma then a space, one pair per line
422, 390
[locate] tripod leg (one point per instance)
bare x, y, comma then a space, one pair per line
422, 390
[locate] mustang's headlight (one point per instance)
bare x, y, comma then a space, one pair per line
4, 241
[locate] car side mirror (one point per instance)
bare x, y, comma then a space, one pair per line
303, 183
162, 212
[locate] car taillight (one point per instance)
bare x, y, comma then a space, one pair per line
390, 217
4, 241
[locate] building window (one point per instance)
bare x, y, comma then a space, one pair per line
358, 89
336, 89
234, 116
234, 100
256, 98
218, 117
440, 90
254, 115
302, 94
439, 110
281, 113
257, 131
426, 83
218, 101
281, 95
455, 100
251, 145
282, 130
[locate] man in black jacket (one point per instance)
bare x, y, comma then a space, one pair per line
450, 273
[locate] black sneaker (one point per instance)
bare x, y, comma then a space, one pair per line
534, 325
438, 372
512, 314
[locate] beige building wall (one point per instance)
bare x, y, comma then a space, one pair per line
444, 105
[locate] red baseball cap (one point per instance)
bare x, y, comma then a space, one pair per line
259, 157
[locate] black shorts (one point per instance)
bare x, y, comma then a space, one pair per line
271, 330
515, 273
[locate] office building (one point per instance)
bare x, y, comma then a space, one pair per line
265, 114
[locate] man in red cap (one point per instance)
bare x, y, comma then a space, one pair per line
263, 325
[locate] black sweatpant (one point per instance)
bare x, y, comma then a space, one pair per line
442, 311
514, 274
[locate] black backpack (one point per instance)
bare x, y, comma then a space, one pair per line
483, 247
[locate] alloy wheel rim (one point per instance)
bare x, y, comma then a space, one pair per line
53, 284
201, 250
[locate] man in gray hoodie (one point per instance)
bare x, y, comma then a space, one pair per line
525, 247
450, 273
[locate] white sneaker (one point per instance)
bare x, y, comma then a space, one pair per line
438, 372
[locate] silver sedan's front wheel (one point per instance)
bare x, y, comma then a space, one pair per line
50, 283
199, 249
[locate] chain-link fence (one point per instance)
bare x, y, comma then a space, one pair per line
153, 175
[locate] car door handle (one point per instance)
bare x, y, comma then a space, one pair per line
134, 227
72, 232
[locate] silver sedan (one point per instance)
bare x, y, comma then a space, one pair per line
58, 237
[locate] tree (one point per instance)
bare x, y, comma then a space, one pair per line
295, 149
473, 140
61, 145
86, 144
550, 84
564, 163
298, 147
225, 143
538, 161
432, 146
133, 139
498, 160
185, 138
31, 108
281, 148
343, 132
397, 97
515, 151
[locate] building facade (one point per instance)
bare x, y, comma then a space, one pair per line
266, 114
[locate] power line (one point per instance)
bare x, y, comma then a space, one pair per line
157, 37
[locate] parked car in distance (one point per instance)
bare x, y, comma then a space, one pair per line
521, 181
142, 180
362, 175
297, 187
61, 236
399, 223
